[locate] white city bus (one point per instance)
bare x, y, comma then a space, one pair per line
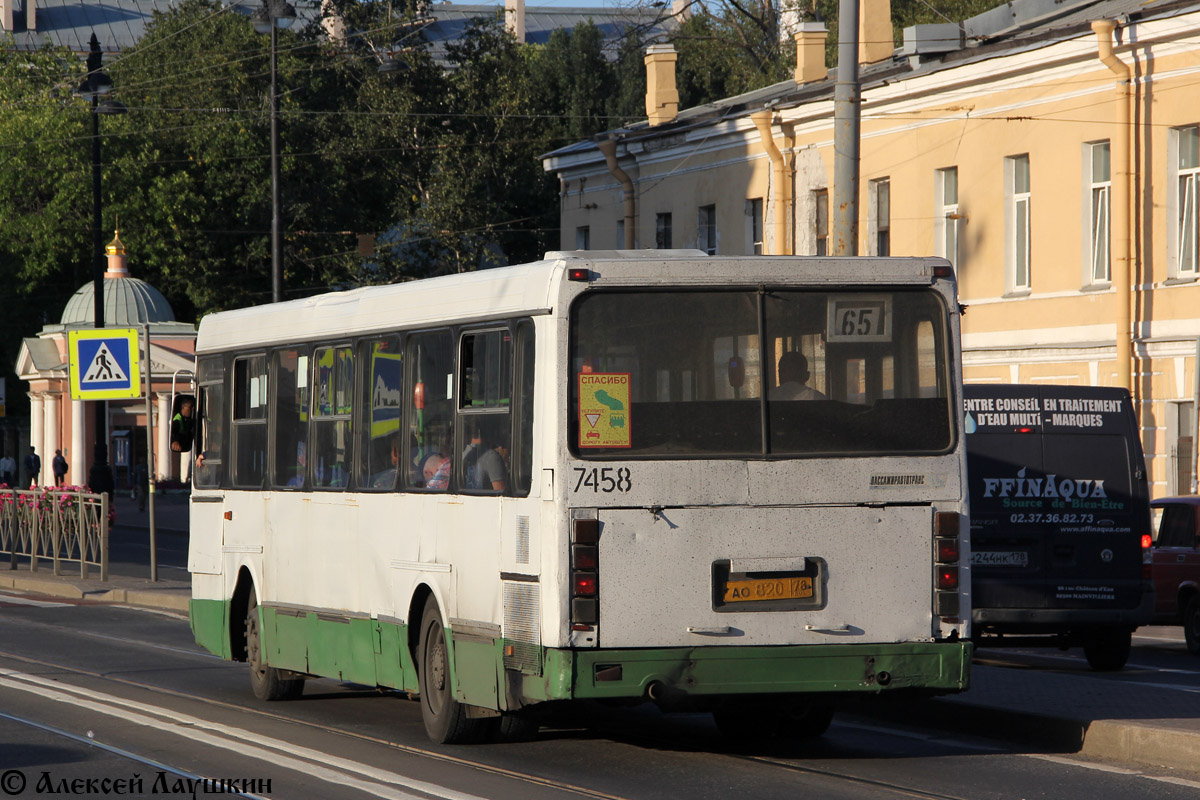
604, 475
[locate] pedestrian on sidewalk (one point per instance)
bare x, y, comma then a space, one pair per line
100, 477
59, 465
8, 471
33, 468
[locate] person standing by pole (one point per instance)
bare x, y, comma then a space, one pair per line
33, 467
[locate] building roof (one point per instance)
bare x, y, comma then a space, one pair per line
118, 24
127, 302
1010, 28
450, 20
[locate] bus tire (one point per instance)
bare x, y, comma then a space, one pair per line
267, 682
1191, 625
1108, 650
516, 726
446, 720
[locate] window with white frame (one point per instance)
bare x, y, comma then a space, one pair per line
946, 219
1187, 161
821, 221
583, 238
1099, 192
1018, 219
707, 229
754, 224
880, 221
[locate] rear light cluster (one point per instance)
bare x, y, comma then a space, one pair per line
946, 552
1147, 558
585, 575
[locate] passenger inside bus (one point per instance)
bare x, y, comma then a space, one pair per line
387, 479
435, 469
793, 379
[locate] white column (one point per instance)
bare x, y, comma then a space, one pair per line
37, 430
78, 457
51, 438
164, 461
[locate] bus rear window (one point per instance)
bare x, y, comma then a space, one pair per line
698, 374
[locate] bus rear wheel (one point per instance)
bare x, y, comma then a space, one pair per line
446, 720
268, 683
1109, 649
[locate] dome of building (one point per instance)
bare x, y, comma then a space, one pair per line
128, 301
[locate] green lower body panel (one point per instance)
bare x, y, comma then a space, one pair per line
710, 671
376, 653
210, 625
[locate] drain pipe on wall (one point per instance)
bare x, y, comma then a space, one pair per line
762, 121
608, 147
1122, 196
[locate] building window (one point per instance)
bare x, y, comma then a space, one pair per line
754, 220
1100, 189
1187, 161
583, 238
947, 217
620, 234
662, 231
707, 226
880, 216
821, 223
1017, 190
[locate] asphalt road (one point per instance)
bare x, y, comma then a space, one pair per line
94, 692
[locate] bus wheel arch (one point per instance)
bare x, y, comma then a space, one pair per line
237, 614
416, 608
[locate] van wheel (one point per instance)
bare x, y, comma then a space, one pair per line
445, 718
266, 682
1109, 649
1191, 625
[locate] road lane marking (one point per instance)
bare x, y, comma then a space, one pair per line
337, 771
25, 601
119, 752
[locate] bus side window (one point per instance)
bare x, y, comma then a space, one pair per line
332, 401
210, 432
484, 402
430, 400
522, 460
290, 417
249, 421
381, 449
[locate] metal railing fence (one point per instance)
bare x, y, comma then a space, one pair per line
56, 525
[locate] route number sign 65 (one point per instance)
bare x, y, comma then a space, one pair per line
859, 318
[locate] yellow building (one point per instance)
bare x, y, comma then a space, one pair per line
1050, 150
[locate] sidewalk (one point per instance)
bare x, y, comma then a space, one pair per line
1114, 720
127, 582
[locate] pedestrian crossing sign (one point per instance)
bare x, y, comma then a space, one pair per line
104, 363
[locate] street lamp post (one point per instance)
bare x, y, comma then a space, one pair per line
272, 15
95, 85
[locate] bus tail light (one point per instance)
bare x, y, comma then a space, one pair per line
585, 575
946, 552
1147, 557
947, 578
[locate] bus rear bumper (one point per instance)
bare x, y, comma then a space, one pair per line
934, 667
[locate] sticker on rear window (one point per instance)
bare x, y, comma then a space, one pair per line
604, 410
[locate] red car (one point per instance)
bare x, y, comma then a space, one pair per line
1176, 566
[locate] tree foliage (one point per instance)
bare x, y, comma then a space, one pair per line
385, 177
